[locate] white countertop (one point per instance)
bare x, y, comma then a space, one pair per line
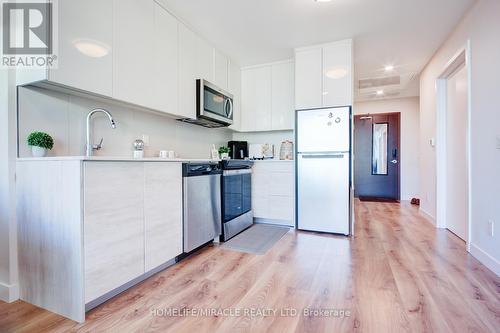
113, 158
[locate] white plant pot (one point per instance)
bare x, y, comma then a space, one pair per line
224, 156
38, 151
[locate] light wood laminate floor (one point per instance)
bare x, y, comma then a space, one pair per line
398, 274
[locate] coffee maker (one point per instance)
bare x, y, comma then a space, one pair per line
238, 150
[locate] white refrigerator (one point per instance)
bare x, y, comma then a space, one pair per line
323, 164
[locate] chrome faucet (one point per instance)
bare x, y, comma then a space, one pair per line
89, 146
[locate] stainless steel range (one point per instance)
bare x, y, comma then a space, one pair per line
236, 189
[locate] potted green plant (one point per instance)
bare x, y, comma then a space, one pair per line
224, 152
40, 143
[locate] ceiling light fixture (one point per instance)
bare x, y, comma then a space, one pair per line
380, 92
322, 0
389, 68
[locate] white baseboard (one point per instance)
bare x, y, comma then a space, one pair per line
428, 217
9, 293
486, 259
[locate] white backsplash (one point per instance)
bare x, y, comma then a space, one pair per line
63, 117
275, 138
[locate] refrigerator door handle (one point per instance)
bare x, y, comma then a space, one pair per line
322, 156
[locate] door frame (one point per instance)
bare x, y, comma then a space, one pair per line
360, 115
460, 60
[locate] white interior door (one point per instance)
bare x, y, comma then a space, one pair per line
456, 154
323, 192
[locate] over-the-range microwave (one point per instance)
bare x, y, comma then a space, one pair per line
214, 106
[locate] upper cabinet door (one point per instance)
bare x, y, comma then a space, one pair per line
134, 33
204, 59
221, 70
308, 78
187, 72
337, 74
256, 99
164, 77
282, 96
234, 87
85, 46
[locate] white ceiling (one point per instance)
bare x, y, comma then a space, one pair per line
405, 33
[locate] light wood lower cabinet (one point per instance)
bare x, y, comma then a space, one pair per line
162, 213
273, 192
113, 225
92, 228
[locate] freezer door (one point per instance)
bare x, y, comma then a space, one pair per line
323, 130
323, 192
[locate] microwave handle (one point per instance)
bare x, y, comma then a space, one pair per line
228, 107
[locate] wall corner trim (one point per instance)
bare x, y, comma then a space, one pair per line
485, 258
9, 293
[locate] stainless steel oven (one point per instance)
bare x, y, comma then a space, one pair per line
214, 106
237, 214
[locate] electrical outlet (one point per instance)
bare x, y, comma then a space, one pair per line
492, 228
145, 138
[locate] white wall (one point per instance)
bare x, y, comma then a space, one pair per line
481, 25
9, 288
64, 117
409, 109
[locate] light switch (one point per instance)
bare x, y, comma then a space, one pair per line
498, 141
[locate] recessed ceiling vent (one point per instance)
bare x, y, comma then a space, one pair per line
379, 82
391, 86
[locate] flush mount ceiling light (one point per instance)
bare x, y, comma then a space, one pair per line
389, 68
91, 48
380, 92
336, 73
322, 0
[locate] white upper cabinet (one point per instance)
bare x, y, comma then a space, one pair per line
267, 95
221, 63
323, 75
133, 61
187, 72
282, 96
196, 61
165, 83
256, 99
133, 51
85, 50
204, 59
308, 78
337, 74
234, 87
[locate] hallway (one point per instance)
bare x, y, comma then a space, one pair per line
398, 274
